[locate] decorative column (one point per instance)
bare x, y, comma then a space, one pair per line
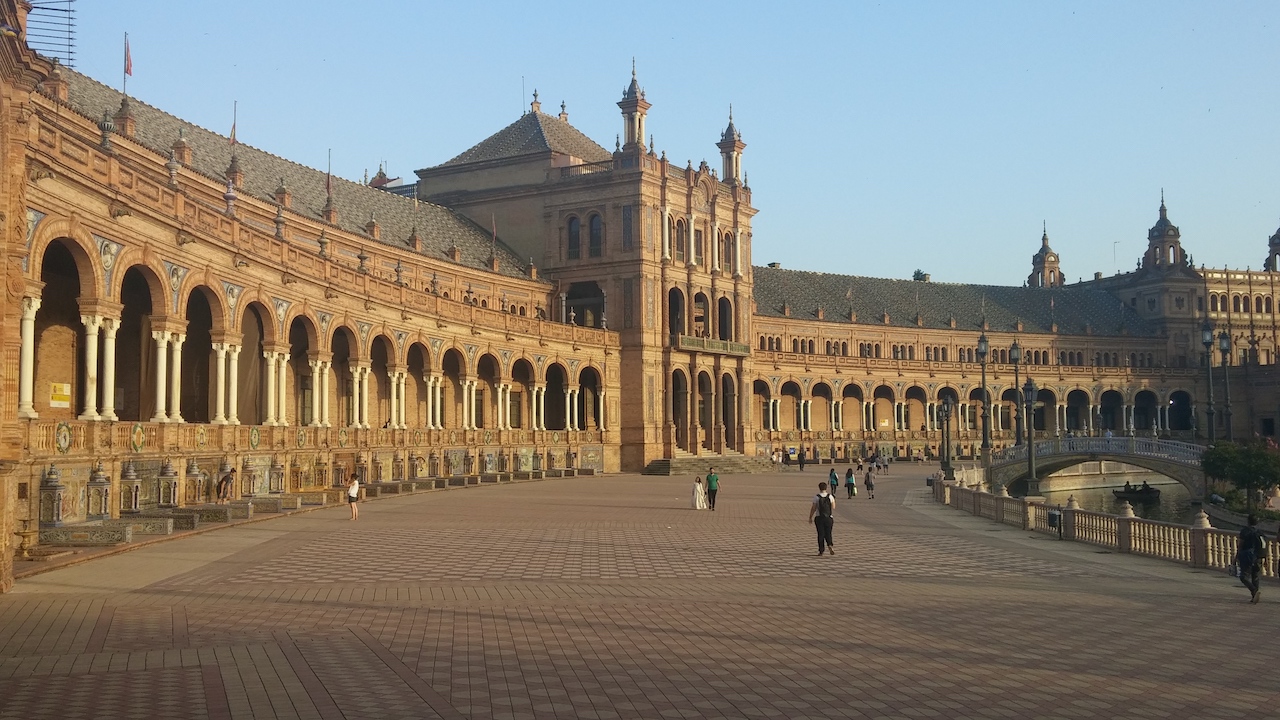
109, 326
91, 325
175, 379
737, 253
404, 402
326, 366
365, 370
270, 357
438, 399
666, 234
282, 388
393, 388
220, 384
431, 401
568, 414
316, 367
542, 407
602, 411
161, 370
233, 385
715, 248
27, 362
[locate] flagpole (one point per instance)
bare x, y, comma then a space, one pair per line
124, 83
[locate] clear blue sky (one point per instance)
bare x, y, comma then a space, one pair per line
881, 137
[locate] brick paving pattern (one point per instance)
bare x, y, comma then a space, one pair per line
607, 598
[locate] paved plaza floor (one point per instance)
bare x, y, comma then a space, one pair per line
607, 597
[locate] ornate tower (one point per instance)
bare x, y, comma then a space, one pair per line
1273, 251
634, 107
1164, 244
1044, 266
731, 147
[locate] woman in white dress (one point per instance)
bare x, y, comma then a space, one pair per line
699, 495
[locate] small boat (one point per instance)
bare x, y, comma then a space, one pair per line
1141, 494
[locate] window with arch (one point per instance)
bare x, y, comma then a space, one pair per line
795, 345
698, 253
1257, 304
944, 354
762, 343
680, 240
810, 347
1235, 303
911, 352
595, 238
928, 353
573, 249
876, 350
1266, 304
726, 251
844, 349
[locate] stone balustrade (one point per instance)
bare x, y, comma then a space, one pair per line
1199, 546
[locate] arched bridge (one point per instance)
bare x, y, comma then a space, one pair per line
1178, 460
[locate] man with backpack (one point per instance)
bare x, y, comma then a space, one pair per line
824, 504
1250, 552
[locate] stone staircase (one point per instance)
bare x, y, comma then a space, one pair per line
728, 463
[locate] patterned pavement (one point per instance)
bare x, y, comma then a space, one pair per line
607, 598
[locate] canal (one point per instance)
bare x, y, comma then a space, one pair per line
1173, 506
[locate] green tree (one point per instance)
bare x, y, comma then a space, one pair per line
1249, 466
918, 275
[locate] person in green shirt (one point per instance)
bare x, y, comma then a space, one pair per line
713, 485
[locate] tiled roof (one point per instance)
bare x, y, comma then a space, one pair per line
534, 133
1072, 308
439, 228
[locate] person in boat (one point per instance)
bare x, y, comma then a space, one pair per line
1128, 487
1145, 486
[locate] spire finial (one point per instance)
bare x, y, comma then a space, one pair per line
633, 67
731, 112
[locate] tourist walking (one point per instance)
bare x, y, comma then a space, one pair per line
353, 496
1250, 552
870, 484
713, 486
802, 459
850, 483
820, 514
225, 484
833, 481
699, 501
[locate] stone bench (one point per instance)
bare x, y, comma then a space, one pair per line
490, 478
457, 481
586, 471
143, 525
207, 513
528, 475
272, 504
86, 535
241, 509
181, 520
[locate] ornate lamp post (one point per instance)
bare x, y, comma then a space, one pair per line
1224, 345
1206, 338
947, 472
1015, 357
1029, 392
983, 347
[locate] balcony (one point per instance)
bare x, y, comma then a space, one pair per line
720, 347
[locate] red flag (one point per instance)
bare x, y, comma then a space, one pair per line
128, 60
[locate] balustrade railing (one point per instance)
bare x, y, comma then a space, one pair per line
1198, 546
1171, 450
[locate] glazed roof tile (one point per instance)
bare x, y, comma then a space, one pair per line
438, 227
1073, 308
534, 133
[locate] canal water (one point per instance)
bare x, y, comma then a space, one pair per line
1173, 506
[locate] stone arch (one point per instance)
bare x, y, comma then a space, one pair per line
556, 376
729, 408
915, 401
489, 374
417, 391
821, 399
454, 372
790, 398
58, 333
706, 409
150, 273
882, 402
303, 347
680, 407
676, 312
590, 400
523, 379
342, 352
382, 362
83, 248
761, 397
266, 312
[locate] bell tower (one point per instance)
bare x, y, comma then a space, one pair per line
731, 147
1164, 244
1044, 266
634, 108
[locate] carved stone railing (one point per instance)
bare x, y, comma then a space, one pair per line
1197, 545
721, 347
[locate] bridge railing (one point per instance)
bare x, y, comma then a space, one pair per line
1201, 547
1171, 450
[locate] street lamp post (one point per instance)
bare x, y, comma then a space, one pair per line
947, 472
1033, 483
1224, 344
983, 347
1206, 338
1015, 357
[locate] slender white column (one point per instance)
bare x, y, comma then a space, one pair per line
161, 370
175, 379
270, 357
404, 404
365, 371
233, 384
603, 411
474, 397
430, 401
326, 366
316, 367
109, 327
666, 235
393, 389
715, 246
282, 388
219, 384
439, 400
27, 362
91, 325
